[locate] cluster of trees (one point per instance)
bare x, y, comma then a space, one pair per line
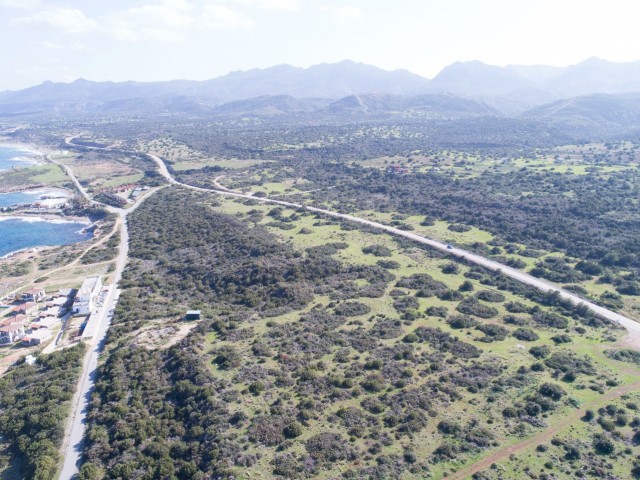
35, 401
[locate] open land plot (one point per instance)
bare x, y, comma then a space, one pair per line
39, 175
225, 164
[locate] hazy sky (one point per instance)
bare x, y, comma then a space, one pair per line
62, 40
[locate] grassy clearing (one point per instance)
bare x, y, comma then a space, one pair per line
122, 180
48, 174
226, 164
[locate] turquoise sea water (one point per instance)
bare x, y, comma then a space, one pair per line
19, 233
18, 198
12, 156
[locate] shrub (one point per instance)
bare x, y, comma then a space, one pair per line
352, 309
227, 358
602, 444
540, 351
377, 250
437, 311
551, 390
327, 447
424, 283
516, 307
472, 306
388, 264
461, 321
450, 269
549, 319
561, 338
449, 427
526, 335
293, 430
493, 332
405, 304
458, 227
267, 430
513, 320
491, 296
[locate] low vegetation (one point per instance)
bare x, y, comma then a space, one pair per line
314, 360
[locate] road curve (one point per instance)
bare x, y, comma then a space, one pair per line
632, 326
73, 178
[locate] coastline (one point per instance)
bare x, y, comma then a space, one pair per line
84, 222
33, 156
49, 218
34, 250
24, 147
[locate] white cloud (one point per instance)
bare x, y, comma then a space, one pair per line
172, 21
164, 21
70, 20
286, 5
221, 17
78, 47
346, 14
21, 4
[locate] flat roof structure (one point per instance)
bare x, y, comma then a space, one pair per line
88, 285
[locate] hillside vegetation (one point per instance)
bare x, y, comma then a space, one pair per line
327, 351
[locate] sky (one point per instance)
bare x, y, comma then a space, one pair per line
147, 40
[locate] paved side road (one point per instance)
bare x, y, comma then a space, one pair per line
632, 326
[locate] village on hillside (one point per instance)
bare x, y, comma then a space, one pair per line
63, 317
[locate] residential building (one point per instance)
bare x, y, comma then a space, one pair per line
12, 332
51, 312
26, 308
87, 296
58, 302
46, 322
15, 319
65, 292
37, 337
36, 294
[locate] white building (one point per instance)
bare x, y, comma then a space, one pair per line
11, 332
87, 296
50, 312
33, 295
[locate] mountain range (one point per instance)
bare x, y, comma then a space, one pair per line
589, 91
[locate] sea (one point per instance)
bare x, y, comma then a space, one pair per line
46, 196
16, 156
19, 233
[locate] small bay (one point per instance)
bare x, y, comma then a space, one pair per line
18, 233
